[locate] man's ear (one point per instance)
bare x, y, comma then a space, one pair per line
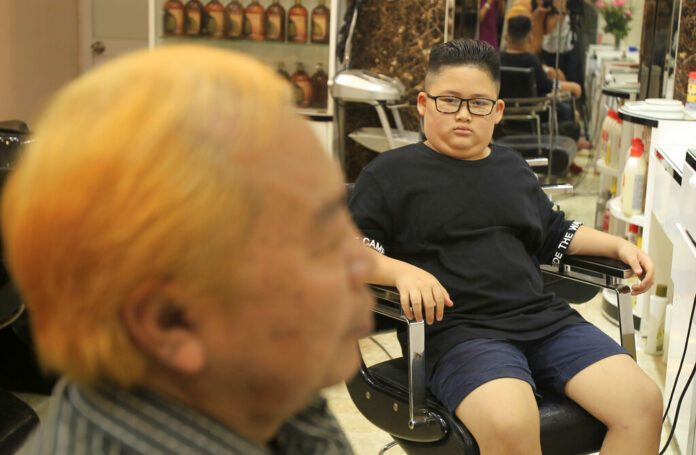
160, 325
498, 111
422, 99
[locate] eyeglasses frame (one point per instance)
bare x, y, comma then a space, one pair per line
461, 101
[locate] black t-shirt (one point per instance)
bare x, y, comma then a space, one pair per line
527, 60
480, 227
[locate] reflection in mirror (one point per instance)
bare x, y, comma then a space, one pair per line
466, 22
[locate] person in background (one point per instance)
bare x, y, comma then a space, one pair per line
516, 54
491, 12
462, 226
564, 46
146, 228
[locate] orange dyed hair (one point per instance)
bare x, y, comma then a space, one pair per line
136, 174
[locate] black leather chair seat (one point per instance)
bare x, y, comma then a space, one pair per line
17, 420
564, 424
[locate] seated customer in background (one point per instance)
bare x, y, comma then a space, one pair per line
146, 228
517, 55
462, 226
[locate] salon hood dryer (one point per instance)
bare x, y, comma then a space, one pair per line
382, 92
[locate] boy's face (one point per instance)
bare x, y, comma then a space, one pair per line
461, 135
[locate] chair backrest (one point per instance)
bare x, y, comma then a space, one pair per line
517, 82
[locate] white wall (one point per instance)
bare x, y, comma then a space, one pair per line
38, 54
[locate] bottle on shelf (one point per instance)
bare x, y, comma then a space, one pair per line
234, 20
214, 19
192, 18
275, 22
656, 320
691, 93
297, 23
173, 18
320, 23
632, 234
633, 181
319, 82
601, 208
254, 21
302, 79
604, 136
613, 153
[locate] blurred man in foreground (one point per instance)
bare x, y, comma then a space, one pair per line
182, 244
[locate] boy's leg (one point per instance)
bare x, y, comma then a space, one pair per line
503, 417
595, 372
488, 385
619, 394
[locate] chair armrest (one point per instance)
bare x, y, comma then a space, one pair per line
606, 273
537, 162
562, 188
389, 304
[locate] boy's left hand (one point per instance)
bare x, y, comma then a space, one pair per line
640, 263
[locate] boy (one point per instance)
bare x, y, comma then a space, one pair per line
455, 216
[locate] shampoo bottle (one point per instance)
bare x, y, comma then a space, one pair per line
633, 181
658, 303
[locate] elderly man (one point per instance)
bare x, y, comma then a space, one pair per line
182, 244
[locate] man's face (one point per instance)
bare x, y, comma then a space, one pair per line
460, 135
304, 304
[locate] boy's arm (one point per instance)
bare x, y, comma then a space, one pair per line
590, 242
419, 289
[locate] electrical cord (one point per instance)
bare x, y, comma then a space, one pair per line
381, 346
676, 379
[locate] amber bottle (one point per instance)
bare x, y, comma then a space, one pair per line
234, 20
319, 82
254, 21
302, 79
320, 23
173, 19
193, 14
297, 23
275, 22
214, 20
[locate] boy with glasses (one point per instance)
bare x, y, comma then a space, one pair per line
463, 225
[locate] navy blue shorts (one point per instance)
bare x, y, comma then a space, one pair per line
551, 361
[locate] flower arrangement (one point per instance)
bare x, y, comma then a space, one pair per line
616, 17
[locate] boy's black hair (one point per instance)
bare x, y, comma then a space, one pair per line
518, 29
468, 52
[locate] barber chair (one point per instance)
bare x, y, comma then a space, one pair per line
393, 394
524, 109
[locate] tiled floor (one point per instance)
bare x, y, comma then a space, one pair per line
368, 440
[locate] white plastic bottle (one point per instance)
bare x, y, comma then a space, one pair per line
604, 141
614, 146
658, 303
633, 181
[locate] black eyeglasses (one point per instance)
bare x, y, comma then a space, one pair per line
449, 104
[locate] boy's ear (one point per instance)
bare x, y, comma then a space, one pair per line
160, 325
498, 111
422, 99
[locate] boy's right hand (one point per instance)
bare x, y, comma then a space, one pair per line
421, 293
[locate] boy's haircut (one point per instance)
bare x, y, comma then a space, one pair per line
467, 52
519, 28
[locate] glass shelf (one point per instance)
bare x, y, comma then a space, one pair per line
237, 43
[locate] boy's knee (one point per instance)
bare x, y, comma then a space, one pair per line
509, 434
